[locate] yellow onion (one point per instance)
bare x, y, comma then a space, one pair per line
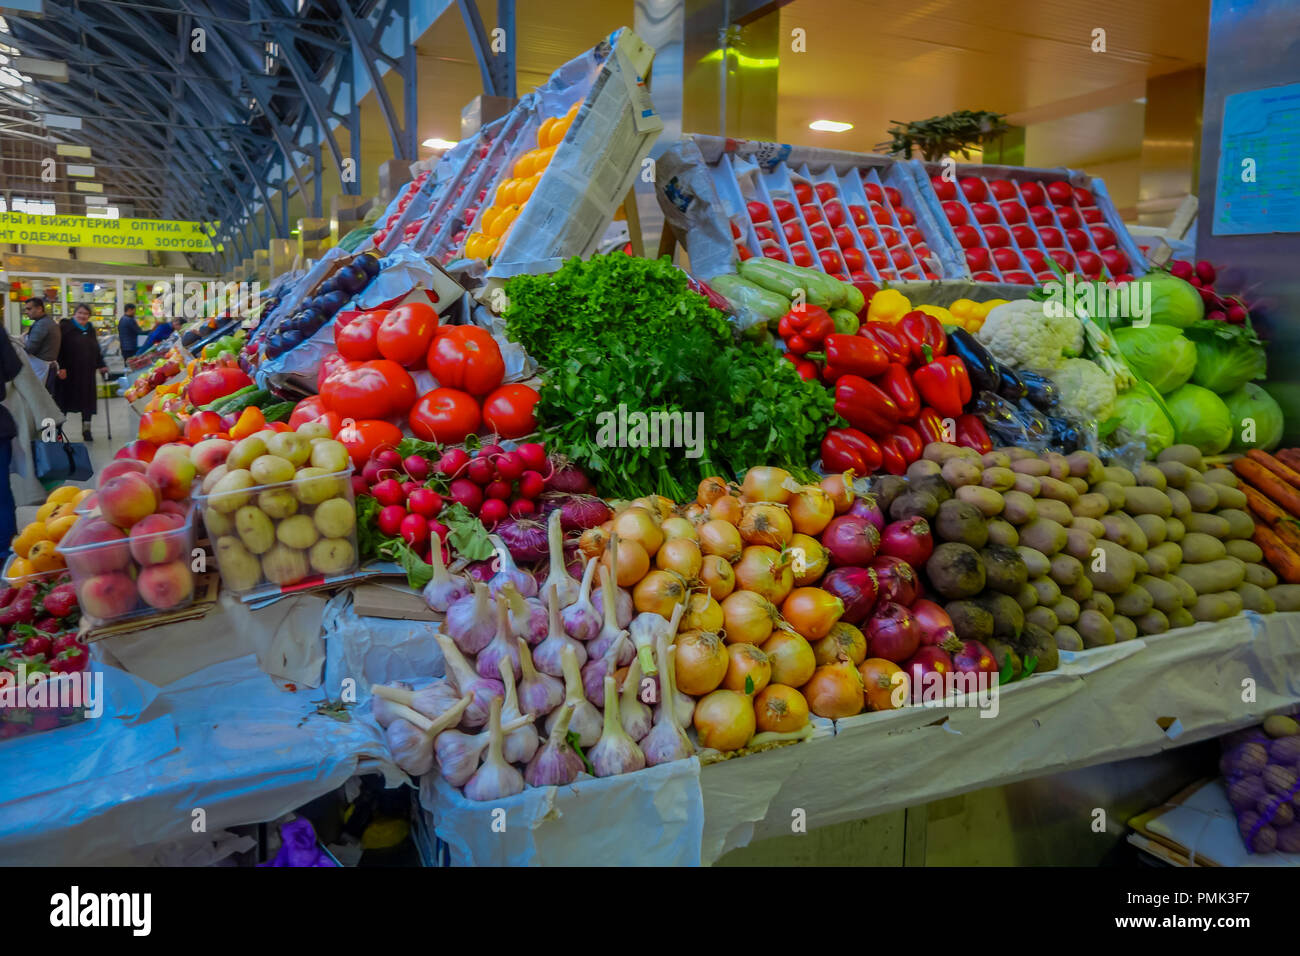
696, 513
812, 612
780, 709
727, 508
701, 662
659, 592
809, 559
724, 720
811, 510
720, 538
835, 691
627, 561
745, 661
748, 618
766, 484
766, 524
702, 614
678, 527
765, 571
792, 658
717, 575
658, 506
681, 555
710, 490
592, 542
639, 525
840, 488
844, 640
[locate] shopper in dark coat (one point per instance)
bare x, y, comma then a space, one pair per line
10, 366
42, 341
79, 359
128, 332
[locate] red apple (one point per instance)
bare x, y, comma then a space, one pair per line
1012, 211
1076, 239
955, 212
1102, 236
1052, 237
1115, 261
1060, 192
996, 236
1006, 259
1003, 189
1024, 236
1032, 194
825, 192
974, 188
968, 236
977, 258
758, 212
943, 188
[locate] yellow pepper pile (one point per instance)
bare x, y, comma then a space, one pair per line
970, 314
890, 305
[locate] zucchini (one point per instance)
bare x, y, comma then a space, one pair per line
258, 397
846, 322
279, 412
855, 301
216, 404
743, 294
781, 277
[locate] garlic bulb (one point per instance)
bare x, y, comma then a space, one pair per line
539, 694
566, 589
549, 655
594, 671
410, 737
556, 763
470, 622
380, 706
528, 617
443, 588
624, 609
610, 633
581, 619
509, 573
502, 645
519, 745
458, 754
636, 716
666, 741
432, 701
586, 720
466, 681
645, 630
495, 779
615, 752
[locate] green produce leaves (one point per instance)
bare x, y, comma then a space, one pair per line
1227, 356
465, 533
415, 446
418, 572
368, 537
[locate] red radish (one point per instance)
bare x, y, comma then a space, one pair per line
857, 588
909, 540
1196, 281
932, 622
1182, 270
389, 458
897, 579
1060, 192
1032, 194
481, 471
451, 462
851, 540
410, 486
359, 485
425, 502
388, 492
371, 472
972, 657
417, 467
1205, 272
1237, 313
438, 528
493, 511
498, 489
891, 633
943, 188
390, 519
467, 493
531, 484
522, 508
415, 530
921, 668
533, 455
974, 188
489, 451
509, 466
1216, 316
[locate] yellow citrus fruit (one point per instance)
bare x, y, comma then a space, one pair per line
61, 526
19, 568
558, 131
29, 536
63, 494
503, 221
44, 512
43, 557
82, 495
544, 133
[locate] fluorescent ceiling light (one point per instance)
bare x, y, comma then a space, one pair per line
58, 121
55, 70
75, 152
830, 126
96, 200
436, 143
74, 169
89, 187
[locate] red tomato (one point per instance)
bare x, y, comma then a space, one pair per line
1077, 239
874, 192
764, 234
984, 277
1102, 236
859, 215
800, 254
890, 235
357, 341
735, 231
811, 214
774, 252
375, 389
509, 411
902, 257
831, 262
868, 237
854, 260
977, 258
880, 259
1083, 197
1032, 194
1115, 261
1037, 261
758, 212
943, 188
973, 188
1002, 189
984, 213
968, 236
835, 213
914, 235
1006, 259
1093, 214
1060, 192
784, 210
1018, 277
1024, 236
1052, 237
1063, 259
743, 252
468, 358
1041, 215
825, 192
793, 231
893, 195
361, 438
308, 410
844, 237
955, 212
1089, 263
821, 236
327, 366
880, 214
1068, 217
406, 332
446, 415
1012, 211
996, 236
803, 193
906, 217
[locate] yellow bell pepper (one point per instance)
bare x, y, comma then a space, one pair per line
888, 305
944, 316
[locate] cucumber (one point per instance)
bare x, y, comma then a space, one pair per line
258, 397
819, 288
279, 412
216, 404
743, 294
856, 301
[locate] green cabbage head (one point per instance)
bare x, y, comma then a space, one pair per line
1200, 418
1142, 418
1159, 354
1254, 414
1173, 301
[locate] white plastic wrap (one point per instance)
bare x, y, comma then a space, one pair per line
375, 650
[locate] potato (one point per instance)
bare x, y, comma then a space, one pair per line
1080, 544
1222, 476
1080, 590
1016, 453
1039, 644
1179, 504
999, 479
1067, 638
1054, 510
1216, 606
1140, 565
1213, 577
1174, 529
1164, 595
1153, 528
1113, 570
1199, 548
1058, 465
1043, 535
955, 570
1186, 593
1177, 475
1134, 602
1255, 598
1091, 505
1189, 455
1121, 529
1125, 629
1230, 497
1008, 616
1032, 466
1147, 501
1085, 465
970, 621
1003, 533
1066, 610
941, 451
1181, 618
1048, 591
1202, 496
932, 485
1170, 553
1095, 629
914, 503
1078, 484
1286, 597
886, 488
1018, 507
1036, 562
1150, 476
961, 522
1044, 617
922, 467
988, 501
1066, 570
1028, 484
1055, 488
1004, 570
1113, 491
996, 459
1262, 575
1100, 601
1247, 551
1208, 524
1121, 476
1088, 525
1026, 597
1241, 526
1156, 563
1152, 622
958, 472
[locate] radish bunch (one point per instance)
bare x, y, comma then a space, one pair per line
408, 509
494, 483
1218, 308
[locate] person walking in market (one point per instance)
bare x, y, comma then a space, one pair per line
128, 331
10, 367
43, 341
79, 358
162, 332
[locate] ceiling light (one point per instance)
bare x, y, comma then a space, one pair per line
75, 169
55, 70
59, 121
96, 200
76, 152
82, 187
436, 143
829, 126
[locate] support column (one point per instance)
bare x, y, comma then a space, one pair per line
1171, 144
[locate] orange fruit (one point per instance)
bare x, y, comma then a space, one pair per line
20, 568
43, 557
544, 133
61, 526
29, 536
63, 510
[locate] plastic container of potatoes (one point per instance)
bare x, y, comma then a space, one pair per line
273, 536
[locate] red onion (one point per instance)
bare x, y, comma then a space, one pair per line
891, 633
932, 622
864, 506
851, 540
927, 661
897, 580
972, 657
525, 537
579, 512
856, 587
480, 571
565, 477
909, 539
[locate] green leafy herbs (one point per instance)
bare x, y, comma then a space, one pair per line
645, 388
415, 446
465, 533
368, 537
418, 571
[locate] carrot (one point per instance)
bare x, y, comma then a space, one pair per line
1288, 532
1290, 455
1280, 558
1268, 483
1264, 509
1283, 471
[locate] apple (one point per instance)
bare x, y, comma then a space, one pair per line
1063, 259
800, 255
120, 466
826, 192
874, 192
1024, 236
1032, 194
1093, 214
803, 193
821, 236
868, 237
1006, 259
890, 235
894, 197
1115, 261
1089, 263
1060, 192
1068, 217
996, 237
1013, 211
984, 213
154, 539
955, 212
854, 260
126, 499
1041, 215
943, 188
1102, 236
785, 211
811, 213
859, 215
977, 258
968, 237
1076, 239
1052, 237
974, 188
831, 262
1003, 189
758, 212
835, 213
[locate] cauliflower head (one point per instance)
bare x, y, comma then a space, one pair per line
1086, 389
1024, 334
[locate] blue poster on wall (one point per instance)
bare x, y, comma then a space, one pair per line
1258, 188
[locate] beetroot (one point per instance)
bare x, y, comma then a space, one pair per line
921, 668
851, 540
897, 580
891, 633
856, 587
909, 540
1243, 759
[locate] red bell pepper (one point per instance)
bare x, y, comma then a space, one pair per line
930, 426
896, 382
805, 328
847, 449
891, 456
920, 329
908, 442
865, 406
944, 384
851, 355
971, 434
890, 340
